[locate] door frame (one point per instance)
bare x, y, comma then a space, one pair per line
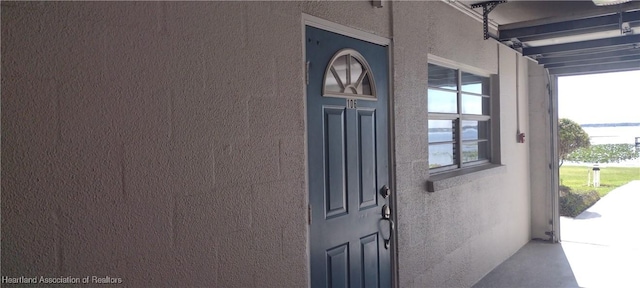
555, 236
313, 21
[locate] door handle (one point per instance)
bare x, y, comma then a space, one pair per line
386, 215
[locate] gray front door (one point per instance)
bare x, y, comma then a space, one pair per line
347, 106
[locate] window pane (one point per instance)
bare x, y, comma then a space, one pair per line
356, 70
442, 77
340, 65
475, 84
331, 84
474, 130
475, 151
441, 155
477, 105
442, 101
441, 130
365, 87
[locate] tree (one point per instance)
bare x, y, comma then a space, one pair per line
605, 153
570, 137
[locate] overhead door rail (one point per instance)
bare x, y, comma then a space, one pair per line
487, 7
608, 42
568, 28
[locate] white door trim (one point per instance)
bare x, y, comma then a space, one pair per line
313, 21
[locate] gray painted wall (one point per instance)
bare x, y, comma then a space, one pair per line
164, 143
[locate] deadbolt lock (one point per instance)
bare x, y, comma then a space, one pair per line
385, 191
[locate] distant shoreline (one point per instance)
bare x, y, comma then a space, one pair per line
635, 163
611, 125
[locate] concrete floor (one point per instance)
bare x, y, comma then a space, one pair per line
600, 248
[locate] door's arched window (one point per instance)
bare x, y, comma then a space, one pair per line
348, 75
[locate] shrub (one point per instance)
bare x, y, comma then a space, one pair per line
604, 153
573, 203
570, 137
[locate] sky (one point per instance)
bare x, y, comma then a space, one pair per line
600, 98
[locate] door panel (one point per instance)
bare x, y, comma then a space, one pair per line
369, 247
348, 166
367, 159
338, 266
335, 165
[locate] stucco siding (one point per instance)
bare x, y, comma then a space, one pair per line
452, 238
163, 143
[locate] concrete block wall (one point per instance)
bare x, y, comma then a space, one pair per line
452, 238
164, 143
160, 143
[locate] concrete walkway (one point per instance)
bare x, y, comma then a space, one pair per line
612, 221
600, 248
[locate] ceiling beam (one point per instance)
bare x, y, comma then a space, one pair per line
594, 61
589, 56
594, 69
570, 15
583, 45
580, 26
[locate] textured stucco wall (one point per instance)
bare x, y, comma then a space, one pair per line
540, 152
454, 237
162, 143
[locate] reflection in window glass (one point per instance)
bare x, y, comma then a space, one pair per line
441, 131
477, 105
365, 87
331, 84
474, 151
474, 130
356, 70
340, 66
441, 155
442, 77
475, 84
442, 101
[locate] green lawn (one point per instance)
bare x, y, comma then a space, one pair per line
610, 177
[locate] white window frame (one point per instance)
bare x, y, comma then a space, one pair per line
459, 116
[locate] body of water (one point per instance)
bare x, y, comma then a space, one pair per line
443, 154
613, 135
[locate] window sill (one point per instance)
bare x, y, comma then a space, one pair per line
446, 180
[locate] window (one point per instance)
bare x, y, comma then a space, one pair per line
459, 123
349, 75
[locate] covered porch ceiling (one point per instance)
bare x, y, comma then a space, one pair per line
567, 37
